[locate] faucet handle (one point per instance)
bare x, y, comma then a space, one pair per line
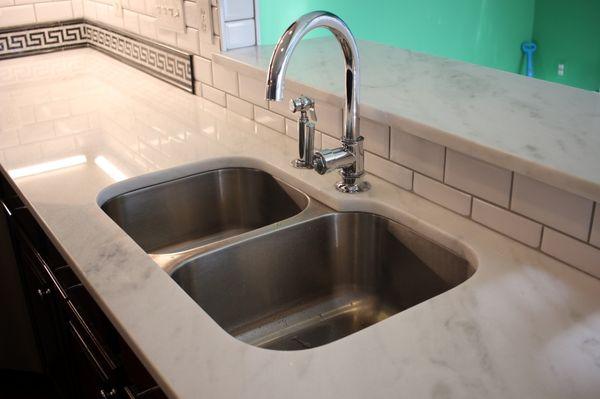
304, 104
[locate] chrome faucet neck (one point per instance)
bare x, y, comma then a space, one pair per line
289, 41
350, 156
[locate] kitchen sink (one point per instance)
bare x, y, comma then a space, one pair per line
277, 269
318, 280
201, 209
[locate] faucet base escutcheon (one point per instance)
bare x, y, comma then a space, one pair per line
352, 185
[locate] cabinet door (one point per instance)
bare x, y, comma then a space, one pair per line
91, 378
47, 319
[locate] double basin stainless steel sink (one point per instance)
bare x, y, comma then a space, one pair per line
277, 269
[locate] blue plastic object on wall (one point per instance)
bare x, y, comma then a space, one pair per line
529, 48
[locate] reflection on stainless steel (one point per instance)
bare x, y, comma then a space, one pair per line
191, 212
277, 269
351, 165
318, 280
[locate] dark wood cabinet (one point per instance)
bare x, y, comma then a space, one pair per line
81, 352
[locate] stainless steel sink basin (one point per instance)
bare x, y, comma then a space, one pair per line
318, 280
201, 209
277, 269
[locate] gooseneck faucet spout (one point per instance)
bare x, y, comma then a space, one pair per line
350, 156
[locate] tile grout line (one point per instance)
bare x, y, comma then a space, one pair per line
389, 142
539, 247
594, 210
510, 192
444, 165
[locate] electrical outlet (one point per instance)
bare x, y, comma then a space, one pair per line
206, 22
561, 70
169, 15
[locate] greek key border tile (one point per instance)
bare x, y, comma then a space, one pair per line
36, 39
166, 63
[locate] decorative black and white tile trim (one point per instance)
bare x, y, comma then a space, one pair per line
166, 63
36, 39
161, 61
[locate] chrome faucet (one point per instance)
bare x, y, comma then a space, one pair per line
350, 156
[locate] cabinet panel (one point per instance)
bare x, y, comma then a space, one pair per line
81, 352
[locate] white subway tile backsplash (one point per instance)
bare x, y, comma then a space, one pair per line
552, 206
190, 40
16, 15
136, 5
166, 36
239, 106
478, 178
215, 95
203, 70
151, 7
269, 119
192, 14
574, 252
328, 142
25, 115
72, 125
508, 223
318, 138
394, 173
207, 49
253, 90
147, 26
417, 153
239, 34
36, 132
225, 79
131, 21
595, 236
106, 14
52, 110
329, 117
237, 9
330, 120
89, 10
77, 8
19, 2
377, 137
291, 130
444, 195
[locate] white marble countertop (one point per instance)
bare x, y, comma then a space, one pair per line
524, 326
547, 131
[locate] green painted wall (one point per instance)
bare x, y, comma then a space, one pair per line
568, 32
486, 32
